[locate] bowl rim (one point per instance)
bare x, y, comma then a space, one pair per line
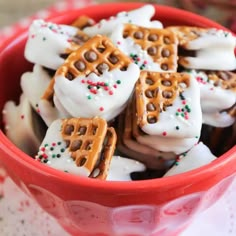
188, 177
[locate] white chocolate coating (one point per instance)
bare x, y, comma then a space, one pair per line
214, 99
46, 41
181, 120
128, 47
34, 84
53, 149
121, 168
165, 144
75, 98
21, 125
214, 51
198, 156
141, 16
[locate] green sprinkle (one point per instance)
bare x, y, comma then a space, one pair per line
182, 114
89, 86
53, 155
46, 145
196, 137
66, 171
177, 113
118, 82
89, 97
59, 143
51, 148
177, 127
106, 84
44, 38
176, 163
62, 150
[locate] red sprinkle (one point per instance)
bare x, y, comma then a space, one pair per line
179, 110
101, 109
164, 133
110, 92
43, 149
22, 117
118, 42
83, 81
145, 62
184, 102
115, 86
54, 144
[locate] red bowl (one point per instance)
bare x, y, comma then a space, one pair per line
86, 206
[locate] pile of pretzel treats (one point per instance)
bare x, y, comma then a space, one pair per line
125, 98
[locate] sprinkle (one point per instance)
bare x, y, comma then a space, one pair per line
58, 143
51, 148
89, 97
164, 133
63, 150
110, 92
114, 86
44, 38
177, 127
82, 81
58, 155
184, 102
118, 42
54, 144
22, 117
101, 109
118, 82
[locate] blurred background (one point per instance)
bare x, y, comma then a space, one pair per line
222, 11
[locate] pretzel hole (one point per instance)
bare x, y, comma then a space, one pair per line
102, 67
125, 34
151, 93
224, 75
67, 143
88, 145
90, 56
138, 35
124, 68
76, 145
182, 85
151, 119
153, 37
101, 49
164, 66
166, 83
69, 129
64, 55
82, 130
69, 76
151, 107
96, 173
167, 94
152, 51
165, 52
80, 65
113, 59
94, 130
80, 39
149, 81
82, 161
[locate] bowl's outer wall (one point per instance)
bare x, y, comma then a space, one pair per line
26, 171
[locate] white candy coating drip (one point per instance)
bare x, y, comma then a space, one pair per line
214, 51
47, 41
19, 125
164, 144
128, 46
48, 112
34, 84
214, 99
121, 168
77, 100
177, 123
198, 156
218, 119
53, 144
141, 16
